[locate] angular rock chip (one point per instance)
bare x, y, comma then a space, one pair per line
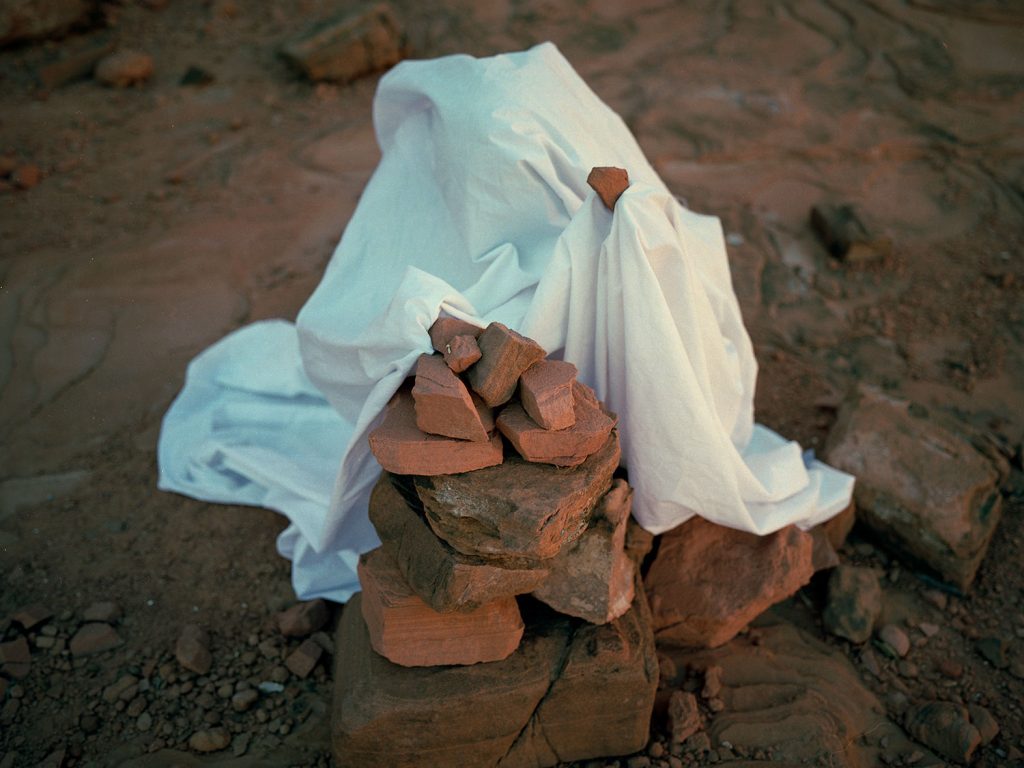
854, 603
789, 694
348, 46
830, 536
106, 610
609, 183
545, 390
571, 691
844, 235
946, 728
683, 716
32, 616
505, 354
925, 491
403, 448
564, 447
445, 329
94, 638
592, 579
192, 649
461, 352
520, 510
15, 658
444, 406
303, 659
707, 581
303, 619
408, 632
444, 578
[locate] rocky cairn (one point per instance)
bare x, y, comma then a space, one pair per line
506, 591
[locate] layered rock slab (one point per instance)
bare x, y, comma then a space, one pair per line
400, 446
565, 447
505, 355
592, 579
522, 511
570, 692
707, 581
407, 631
788, 694
924, 490
444, 578
444, 406
545, 390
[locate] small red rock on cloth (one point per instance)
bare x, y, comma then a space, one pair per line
609, 183
506, 354
445, 329
461, 352
545, 389
444, 405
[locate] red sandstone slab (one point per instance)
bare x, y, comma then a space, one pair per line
403, 448
545, 389
461, 352
609, 183
593, 578
408, 632
505, 354
564, 447
445, 329
444, 406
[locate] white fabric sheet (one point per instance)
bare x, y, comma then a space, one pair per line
480, 209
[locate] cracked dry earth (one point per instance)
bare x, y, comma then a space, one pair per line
170, 215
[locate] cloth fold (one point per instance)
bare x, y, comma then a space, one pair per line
480, 209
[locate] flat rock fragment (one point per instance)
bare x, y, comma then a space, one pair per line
593, 578
403, 448
609, 183
564, 447
33, 19
505, 354
854, 603
444, 578
444, 405
347, 46
408, 632
123, 69
707, 581
546, 392
927, 492
93, 638
945, 727
521, 511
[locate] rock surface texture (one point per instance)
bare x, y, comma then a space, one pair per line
567, 447
505, 354
545, 389
443, 577
570, 692
407, 631
444, 406
519, 510
924, 490
403, 448
707, 582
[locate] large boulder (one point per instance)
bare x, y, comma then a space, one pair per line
572, 691
926, 491
707, 581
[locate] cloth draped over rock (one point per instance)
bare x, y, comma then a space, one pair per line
480, 209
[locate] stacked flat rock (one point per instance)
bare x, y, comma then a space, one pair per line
506, 580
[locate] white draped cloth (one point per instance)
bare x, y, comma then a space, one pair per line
480, 209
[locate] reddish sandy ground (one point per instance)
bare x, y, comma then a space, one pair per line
169, 215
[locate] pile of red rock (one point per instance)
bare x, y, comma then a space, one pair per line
505, 593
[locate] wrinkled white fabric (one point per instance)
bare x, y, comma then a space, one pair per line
480, 209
